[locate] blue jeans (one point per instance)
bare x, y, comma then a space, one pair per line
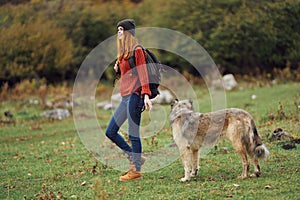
131, 108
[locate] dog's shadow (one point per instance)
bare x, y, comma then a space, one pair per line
209, 178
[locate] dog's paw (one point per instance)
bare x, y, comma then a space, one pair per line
194, 173
255, 175
184, 179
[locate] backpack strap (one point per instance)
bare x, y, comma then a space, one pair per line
131, 59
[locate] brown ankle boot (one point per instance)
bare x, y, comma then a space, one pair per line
132, 174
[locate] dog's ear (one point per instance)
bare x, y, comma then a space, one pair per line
174, 102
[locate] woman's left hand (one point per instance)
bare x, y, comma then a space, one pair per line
147, 102
116, 67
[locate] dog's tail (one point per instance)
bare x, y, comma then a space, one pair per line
260, 150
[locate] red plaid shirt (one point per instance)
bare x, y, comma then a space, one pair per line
130, 83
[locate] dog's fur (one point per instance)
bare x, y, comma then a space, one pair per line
192, 130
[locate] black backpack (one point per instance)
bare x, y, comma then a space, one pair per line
154, 69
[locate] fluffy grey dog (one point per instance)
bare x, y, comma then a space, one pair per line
192, 130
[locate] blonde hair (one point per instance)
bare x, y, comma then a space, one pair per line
125, 45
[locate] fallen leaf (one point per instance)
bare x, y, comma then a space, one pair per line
268, 187
10, 186
94, 171
43, 186
83, 183
229, 195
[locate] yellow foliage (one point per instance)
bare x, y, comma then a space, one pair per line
34, 48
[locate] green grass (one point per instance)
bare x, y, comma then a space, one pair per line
43, 159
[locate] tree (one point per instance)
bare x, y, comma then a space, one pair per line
258, 37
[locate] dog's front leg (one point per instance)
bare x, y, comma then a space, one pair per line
186, 173
186, 160
246, 166
195, 163
257, 171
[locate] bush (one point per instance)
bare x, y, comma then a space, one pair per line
32, 51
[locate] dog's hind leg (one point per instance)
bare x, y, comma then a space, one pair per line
257, 172
195, 163
186, 157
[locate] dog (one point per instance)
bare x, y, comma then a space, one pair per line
193, 130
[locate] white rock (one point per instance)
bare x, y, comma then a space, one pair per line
56, 114
229, 82
165, 97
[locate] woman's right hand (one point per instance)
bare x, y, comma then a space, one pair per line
147, 102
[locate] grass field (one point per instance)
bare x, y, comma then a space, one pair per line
44, 159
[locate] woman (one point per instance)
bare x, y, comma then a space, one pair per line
135, 94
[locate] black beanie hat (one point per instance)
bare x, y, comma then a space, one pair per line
128, 25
